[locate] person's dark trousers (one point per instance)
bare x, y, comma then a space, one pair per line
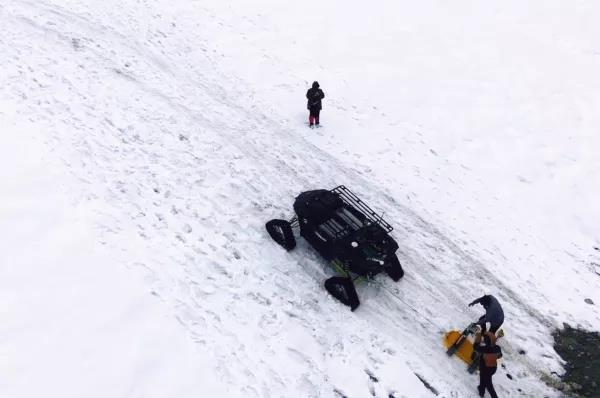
314, 116
485, 381
493, 328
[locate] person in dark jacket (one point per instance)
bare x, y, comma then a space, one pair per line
488, 362
494, 314
314, 96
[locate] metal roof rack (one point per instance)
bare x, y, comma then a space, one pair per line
351, 199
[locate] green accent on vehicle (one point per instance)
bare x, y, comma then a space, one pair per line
339, 268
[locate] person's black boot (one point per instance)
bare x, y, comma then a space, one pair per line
481, 391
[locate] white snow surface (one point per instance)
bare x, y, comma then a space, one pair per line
143, 145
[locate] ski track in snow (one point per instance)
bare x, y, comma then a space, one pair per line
185, 170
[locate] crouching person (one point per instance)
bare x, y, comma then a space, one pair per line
488, 362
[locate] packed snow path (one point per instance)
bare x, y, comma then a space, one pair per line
183, 167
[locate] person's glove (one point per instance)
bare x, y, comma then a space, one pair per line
471, 304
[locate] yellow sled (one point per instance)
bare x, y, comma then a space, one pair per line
465, 351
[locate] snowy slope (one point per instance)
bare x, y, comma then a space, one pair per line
160, 136
75, 321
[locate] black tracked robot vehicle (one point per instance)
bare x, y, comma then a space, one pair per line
346, 232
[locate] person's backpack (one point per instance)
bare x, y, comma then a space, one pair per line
491, 359
315, 98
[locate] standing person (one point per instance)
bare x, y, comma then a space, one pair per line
488, 362
314, 96
494, 314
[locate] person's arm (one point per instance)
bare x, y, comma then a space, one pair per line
322, 94
499, 353
476, 301
477, 342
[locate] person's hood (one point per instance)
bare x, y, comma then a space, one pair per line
315, 85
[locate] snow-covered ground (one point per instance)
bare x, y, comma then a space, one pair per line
144, 144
